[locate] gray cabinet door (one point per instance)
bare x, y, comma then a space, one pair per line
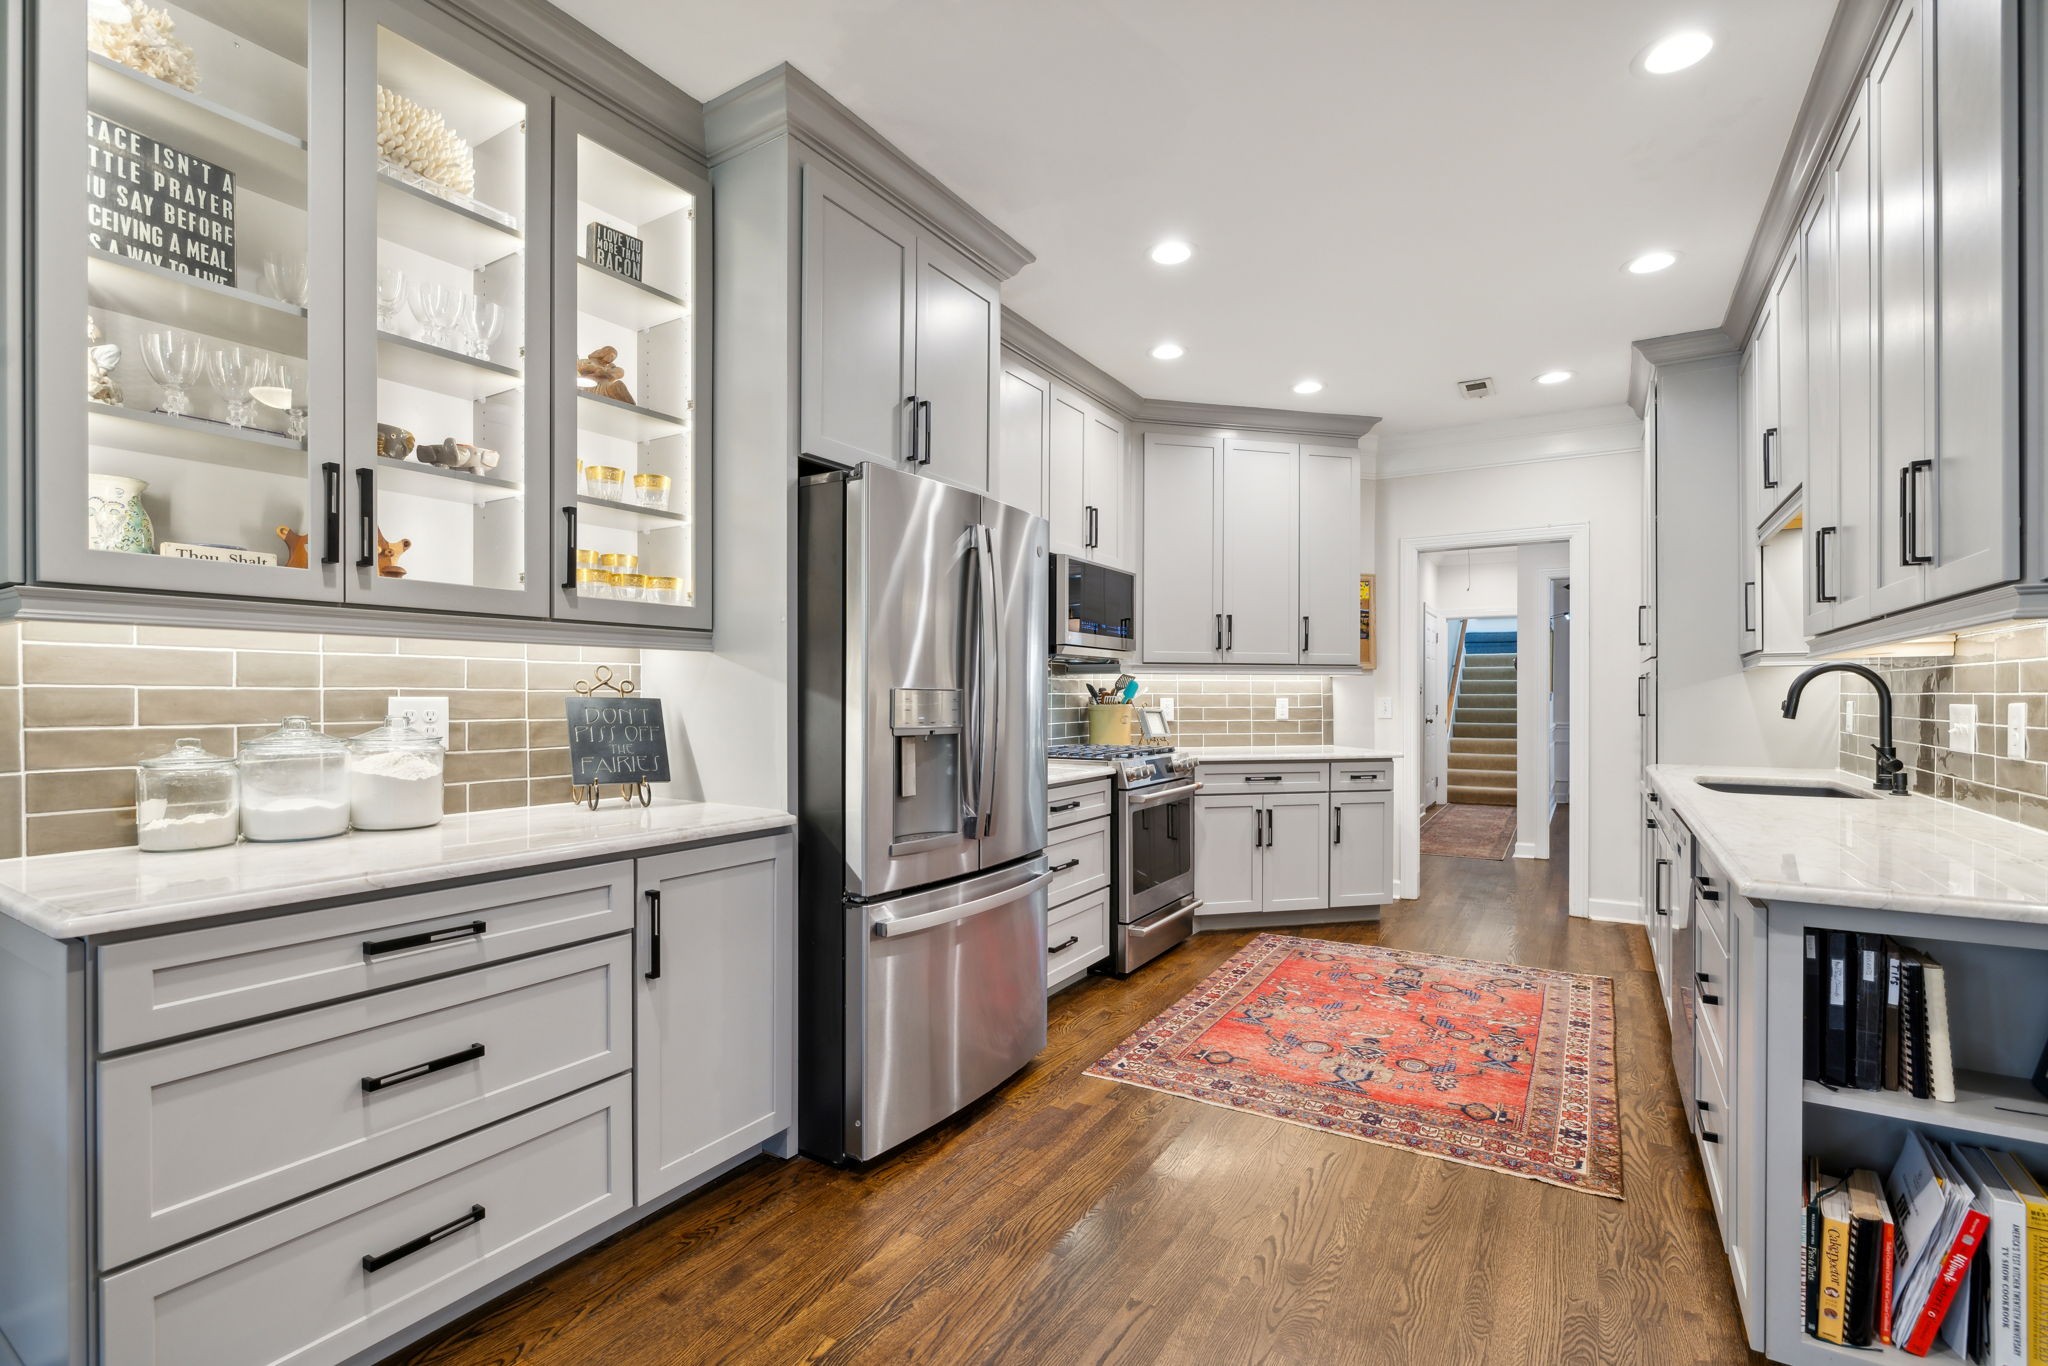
1180, 618
1066, 472
1902, 231
713, 1066
1822, 402
1330, 562
1749, 477
1018, 475
858, 352
1850, 555
1786, 473
959, 357
1261, 560
1296, 876
1229, 839
1103, 465
1361, 849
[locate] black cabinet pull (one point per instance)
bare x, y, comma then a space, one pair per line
1705, 999
1749, 607
1258, 829
1662, 866
1704, 1107
1649, 822
1643, 696
1263, 777
330, 482
366, 518
423, 1069
1642, 623
1069, 866
569, 552
1820, 564
374, 947
1304, 635
924, 410
1910, 505
916, 453
1058, 807
1770, 457
425, 1240
1057, 949
653, 936
1709, 1136
1219, 633
1229, 632
1337, 826
1707, 892
1270, 840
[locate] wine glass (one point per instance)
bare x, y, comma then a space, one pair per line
284, 388
173, 359
390, 295
423, 301
234, 371
287, 278
487, 320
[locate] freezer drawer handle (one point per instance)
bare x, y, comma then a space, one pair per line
1069, 866
374, 947
1058, 807
426, 1240
888, 927
1057, 949
423, 1069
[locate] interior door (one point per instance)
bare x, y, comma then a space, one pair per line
1182, 619
1436, 721
858, 363
1102, 461
1296, 876
1361, 849
1066, 480
1229, 837
1261, 563
959, 361
1329, 555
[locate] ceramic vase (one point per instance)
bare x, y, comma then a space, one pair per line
118, 519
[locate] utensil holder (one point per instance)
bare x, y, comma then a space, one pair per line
1112, 723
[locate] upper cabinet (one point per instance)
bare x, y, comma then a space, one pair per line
1061, 455
901, 340
1329, 565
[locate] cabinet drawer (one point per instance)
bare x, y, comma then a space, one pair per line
1086, 849
161, 987
1086, 924
1076, 802
1373, 776
293, 1285
1710, 903
1716, 980
1714, 1129
196, 1134
1261, 778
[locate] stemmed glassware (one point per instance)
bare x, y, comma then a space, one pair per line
284, 388
436, 306
390, 296
234, 371
173, 359
287, 278
482, 321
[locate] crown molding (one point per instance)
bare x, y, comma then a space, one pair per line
1844, 54
550, 38
784, 100
1581, 434
1652, 352
1054, 356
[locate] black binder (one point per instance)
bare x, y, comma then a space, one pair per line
1815, 1020
1837, 995
1867, 1057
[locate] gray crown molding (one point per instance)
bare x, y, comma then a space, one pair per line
1846, 52
784, 100
1650, 353
550, 38
1069, 366
1581, 434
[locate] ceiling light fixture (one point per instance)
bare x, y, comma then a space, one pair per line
1553, 376
1308, 386
1650, 262
1172, 252
1675, 52
1168, 351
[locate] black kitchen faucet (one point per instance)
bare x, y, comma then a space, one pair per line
1891, 770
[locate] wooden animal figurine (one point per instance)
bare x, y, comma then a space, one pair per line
447, 454
387, 557
294, 547
605, 378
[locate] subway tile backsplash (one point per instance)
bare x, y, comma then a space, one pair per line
1991, 672
1209, 709
80, 704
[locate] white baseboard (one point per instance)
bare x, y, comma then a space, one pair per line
1525, 849
1629, 912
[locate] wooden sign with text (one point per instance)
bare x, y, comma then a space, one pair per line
615, 251
150, 202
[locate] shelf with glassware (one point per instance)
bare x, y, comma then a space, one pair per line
632, 268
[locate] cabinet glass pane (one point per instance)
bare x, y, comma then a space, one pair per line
197, 288
635, 441
452, 468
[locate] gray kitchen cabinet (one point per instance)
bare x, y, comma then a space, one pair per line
1103, 464
1296, 871
1085, 468
1361, 849
1230, 834
858, 397
1749, 465
1261, 554
1017, 475
1329, 561
1783, 472
1292, 836
713, 1068
1180, 581
959, 361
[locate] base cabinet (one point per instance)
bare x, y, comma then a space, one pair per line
1361, 849
1293, 837
1077, 917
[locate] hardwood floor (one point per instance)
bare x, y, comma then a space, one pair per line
1068, 1219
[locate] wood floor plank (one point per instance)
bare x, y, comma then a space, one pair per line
1069, 1219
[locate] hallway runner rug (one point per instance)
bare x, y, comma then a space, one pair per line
1469, 831
1487, 1064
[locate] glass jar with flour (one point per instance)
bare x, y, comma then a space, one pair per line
395, 774
186, 799
294, 784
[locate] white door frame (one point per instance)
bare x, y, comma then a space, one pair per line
1551, 579
1407, 771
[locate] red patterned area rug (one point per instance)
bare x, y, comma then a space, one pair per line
1488, 1064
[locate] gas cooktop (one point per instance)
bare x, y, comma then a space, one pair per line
1102, 752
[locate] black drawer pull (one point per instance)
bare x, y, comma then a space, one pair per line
425, 1240
1704, 1107
1707, 1000
1709, 1136
653, 972
1707, 892
1058, 949
421, 1069
1263, 777
1069, 866
1065, 806
373, 947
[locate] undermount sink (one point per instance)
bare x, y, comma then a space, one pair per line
1788, 787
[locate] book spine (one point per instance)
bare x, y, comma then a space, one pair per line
1836, 976
1940, 1059
1887, 1259
1816, 1014
1834, 1279
1955, 1267
1867, 1022
2037, 1287
1809, 1289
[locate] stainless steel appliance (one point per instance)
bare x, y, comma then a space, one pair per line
1152, 849
922, 877
1094, 611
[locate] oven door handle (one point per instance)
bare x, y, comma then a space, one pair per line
1139, 801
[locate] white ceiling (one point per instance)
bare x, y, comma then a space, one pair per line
1388, 195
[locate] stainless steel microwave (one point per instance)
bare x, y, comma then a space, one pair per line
1094, 610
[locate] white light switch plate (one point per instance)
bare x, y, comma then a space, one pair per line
426, 713
1279, 709
2015, 730
1386, 708
1962, 727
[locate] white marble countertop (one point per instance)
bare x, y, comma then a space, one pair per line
1886, 853
67, 896
1339, 754
1060, 772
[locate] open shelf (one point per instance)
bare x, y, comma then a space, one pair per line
455, 486
1817, 1350
279, 28
192, 438
422, 365
626, 421
617, 299
2007, 1109
267, 160
440, 228
159, 295
626, 516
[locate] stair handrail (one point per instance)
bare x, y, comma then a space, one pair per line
1457, 674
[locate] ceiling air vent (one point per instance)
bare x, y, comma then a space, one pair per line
1476, 388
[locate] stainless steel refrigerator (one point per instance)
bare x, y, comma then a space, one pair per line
922, 873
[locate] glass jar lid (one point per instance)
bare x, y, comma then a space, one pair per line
296, 738
186, 755
396, 736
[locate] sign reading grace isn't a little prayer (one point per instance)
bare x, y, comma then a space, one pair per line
617, 740
153, 203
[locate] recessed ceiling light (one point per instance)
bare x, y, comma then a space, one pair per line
1172, 252
1168, 351
1308, 386
1675, 52
1650, 262
1553, 376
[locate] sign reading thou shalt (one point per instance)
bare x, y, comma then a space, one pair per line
615, 740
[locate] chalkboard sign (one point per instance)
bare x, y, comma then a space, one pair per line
615, 251
617, 740
151, 202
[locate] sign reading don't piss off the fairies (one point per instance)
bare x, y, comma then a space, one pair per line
149, 202
617, 741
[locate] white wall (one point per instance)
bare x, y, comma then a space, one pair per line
1476, 583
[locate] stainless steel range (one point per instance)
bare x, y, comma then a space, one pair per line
1152, 848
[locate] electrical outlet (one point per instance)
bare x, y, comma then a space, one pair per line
2016, 734
1166, 709
1386, 709
429, 714
1279, 709
1962, 727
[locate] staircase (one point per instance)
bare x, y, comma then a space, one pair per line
1483, 725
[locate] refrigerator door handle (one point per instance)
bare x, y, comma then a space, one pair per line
888, 926
988, 654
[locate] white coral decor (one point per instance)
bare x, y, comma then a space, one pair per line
420, 140
140, 38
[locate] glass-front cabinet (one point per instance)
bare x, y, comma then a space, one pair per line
370, 312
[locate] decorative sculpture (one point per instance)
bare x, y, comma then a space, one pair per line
294, 547
601, 374
140, 38
101, 357
387, 557
420, 140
